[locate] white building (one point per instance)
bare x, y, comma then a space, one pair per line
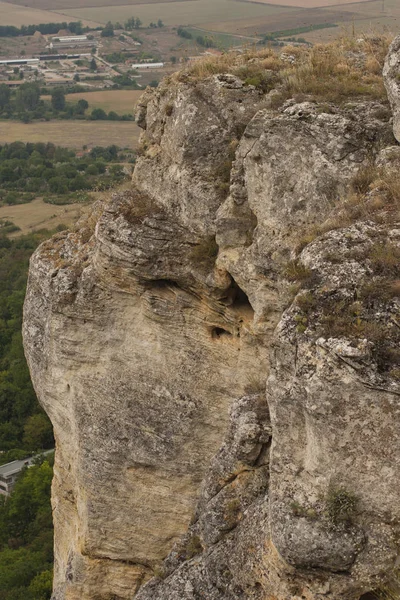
148, 66
9, 472
70, 38
14, 62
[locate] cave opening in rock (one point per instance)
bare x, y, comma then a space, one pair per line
369, 596
240, 301
218, 332
163, 283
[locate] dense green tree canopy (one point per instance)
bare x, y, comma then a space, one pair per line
58, 99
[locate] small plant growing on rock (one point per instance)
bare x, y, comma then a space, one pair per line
301, 321
301, 511
306, 302
296, 271
385, 258
232, 509
205, 252
193, 547
160, 572
341, 506
363, 179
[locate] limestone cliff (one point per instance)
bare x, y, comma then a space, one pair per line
218, 347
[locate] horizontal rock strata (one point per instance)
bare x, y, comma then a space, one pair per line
221, 372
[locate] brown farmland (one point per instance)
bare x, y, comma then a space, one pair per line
193, 12
72, 134
282, 21
39, 215
12, 14
120, 101
59, 5
307, 3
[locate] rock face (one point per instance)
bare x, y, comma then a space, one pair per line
226, 403
391, 75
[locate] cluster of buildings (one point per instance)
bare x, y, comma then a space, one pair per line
66, 60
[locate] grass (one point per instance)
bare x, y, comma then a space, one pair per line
39, 215
324, 73
193, 547
341, 506
72, 134
296, 271
120, 101
374, 195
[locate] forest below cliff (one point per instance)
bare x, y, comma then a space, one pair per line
26, 529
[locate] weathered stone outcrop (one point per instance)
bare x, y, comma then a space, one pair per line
391, 75
225, 403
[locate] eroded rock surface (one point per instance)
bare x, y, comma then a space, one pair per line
391, 74
225, 403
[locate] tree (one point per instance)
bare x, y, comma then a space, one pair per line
108, 30
58, 185
98, 114
130, 23
160, 23
4, 96
81, 106
41, 586
76, 77
38, 433
28, 96
58, 99
93, 65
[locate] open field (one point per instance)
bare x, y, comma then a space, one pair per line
121, 101
60, 5
72, 134
307, 3
280, 22
223, 41
39, 215
12, 14
190, 12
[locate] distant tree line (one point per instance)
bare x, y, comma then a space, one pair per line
285, 33
201, 40
48, 169
74, 27
129, 25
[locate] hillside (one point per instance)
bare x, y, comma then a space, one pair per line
217, 347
